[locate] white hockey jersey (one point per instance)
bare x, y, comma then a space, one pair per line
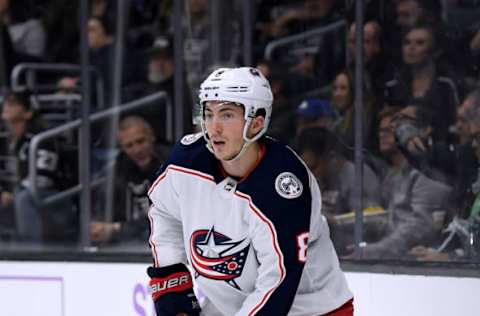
257, 246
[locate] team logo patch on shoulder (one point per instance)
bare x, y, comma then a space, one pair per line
288, 185
191, 138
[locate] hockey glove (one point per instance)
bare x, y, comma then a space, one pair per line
172, 290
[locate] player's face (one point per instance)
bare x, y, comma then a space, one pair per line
137, 143
224, 122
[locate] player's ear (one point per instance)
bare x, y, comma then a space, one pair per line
257, 124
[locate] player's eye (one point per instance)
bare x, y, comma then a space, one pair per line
208, 116
227, 115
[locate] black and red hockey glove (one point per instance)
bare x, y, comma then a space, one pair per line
172, 290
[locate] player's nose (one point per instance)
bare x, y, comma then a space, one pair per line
217, 126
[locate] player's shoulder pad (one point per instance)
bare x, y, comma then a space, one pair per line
191, 138
280, 185
187, 152
290, 173
282, 174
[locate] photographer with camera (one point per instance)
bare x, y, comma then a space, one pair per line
414, 131
409, 196
462, 234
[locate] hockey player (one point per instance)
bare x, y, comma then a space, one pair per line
243, 212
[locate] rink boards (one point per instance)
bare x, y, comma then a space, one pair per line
75, 289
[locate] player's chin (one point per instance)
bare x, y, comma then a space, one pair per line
224, 155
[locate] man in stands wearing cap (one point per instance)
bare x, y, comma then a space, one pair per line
159, 77
315, 113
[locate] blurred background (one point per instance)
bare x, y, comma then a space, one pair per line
386, 115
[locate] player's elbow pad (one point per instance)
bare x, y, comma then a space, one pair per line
172, 290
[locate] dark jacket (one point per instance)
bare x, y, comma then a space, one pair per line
131, 202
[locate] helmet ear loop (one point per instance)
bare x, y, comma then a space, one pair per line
248, 123
204, 130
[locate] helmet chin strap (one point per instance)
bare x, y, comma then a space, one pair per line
245, 145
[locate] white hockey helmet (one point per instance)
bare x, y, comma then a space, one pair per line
244, 85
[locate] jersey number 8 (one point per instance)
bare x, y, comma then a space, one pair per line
302, 244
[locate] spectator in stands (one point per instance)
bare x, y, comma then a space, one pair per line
343, 98
315, 113
410, 197
377, 68
200, 51
159, 77
281, 123
104, 9
143, 13
474, 49
462, 235
35, 222
466, 163
7, 57
135, 167
101, 44
8, 179
63, 36
310, 14
325, 157
420, 81
324, 56
408, 14
462, 128
415, 137
389, 151
474, 214
27, 33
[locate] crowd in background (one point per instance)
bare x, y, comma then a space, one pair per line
421, 112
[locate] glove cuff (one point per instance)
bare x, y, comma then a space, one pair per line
162, 272
171, 279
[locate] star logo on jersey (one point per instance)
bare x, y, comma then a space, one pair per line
218, 257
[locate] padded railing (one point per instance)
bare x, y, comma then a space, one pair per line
30, 71
288, 40
54, 132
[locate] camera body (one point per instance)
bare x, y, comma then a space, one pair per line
405, 131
